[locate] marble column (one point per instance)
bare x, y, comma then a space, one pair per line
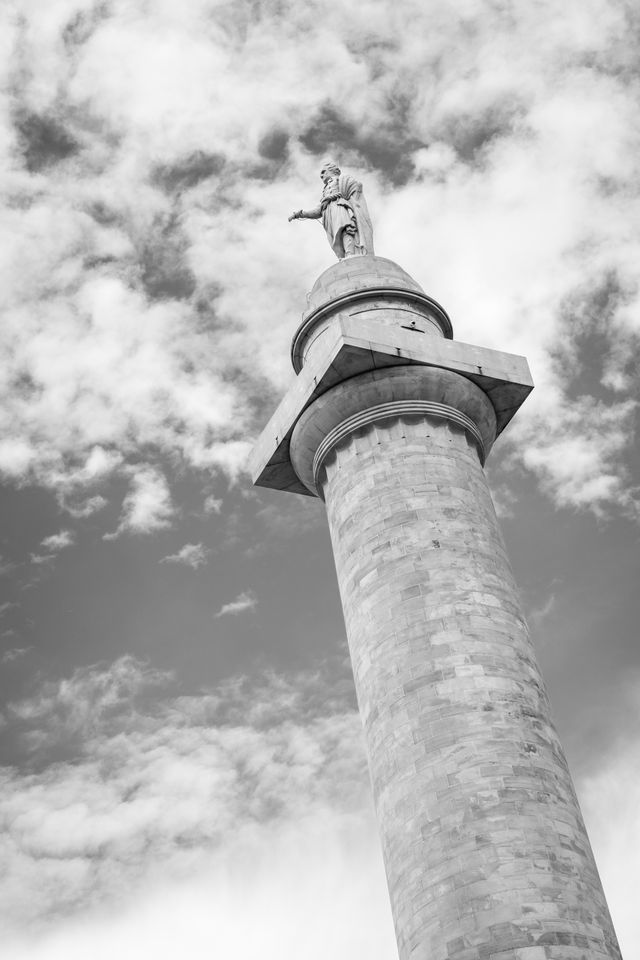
390, 423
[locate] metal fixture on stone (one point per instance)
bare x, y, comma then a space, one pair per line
389, 422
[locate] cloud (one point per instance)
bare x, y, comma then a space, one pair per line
616, 840
539, 614
150, 279
142, 795
6, 566
84, 507
42, 559
58, 541
147, 507
192, 555
291, 883
249, 799
244, 601
17, 653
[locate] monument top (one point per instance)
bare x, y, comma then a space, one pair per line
369, 288
358, 273
369, 328
343, 211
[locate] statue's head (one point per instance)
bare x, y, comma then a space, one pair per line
329, 168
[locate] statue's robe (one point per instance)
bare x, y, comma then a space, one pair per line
344, 209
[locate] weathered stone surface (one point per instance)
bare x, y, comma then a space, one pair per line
485, 849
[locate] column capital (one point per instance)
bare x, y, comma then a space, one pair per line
400, 392
351, 346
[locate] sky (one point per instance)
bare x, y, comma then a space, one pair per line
182, 762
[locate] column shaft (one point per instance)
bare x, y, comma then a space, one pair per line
484, 845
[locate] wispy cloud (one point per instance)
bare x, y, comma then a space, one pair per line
147, 506
17, 653
142, 794
6, 566
244, 601
42, 559
58, 541
212, 504
192, 555
542, 611
84, 507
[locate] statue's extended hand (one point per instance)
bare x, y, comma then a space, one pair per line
295, 215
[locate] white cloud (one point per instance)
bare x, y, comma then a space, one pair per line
251, 799
42, 560
148, 253
58, 541
192, 555
212, 504
616, 838
244, 601
147, 506
318, 882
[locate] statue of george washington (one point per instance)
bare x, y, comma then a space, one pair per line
344, 213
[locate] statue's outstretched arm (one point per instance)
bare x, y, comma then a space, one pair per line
314, 214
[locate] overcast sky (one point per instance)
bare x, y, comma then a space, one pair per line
183, 763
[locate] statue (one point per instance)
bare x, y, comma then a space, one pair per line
344, 213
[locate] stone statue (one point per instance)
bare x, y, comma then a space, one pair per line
344, 213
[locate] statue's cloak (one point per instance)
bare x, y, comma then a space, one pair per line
345, 208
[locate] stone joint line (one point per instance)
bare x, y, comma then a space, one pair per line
387, 411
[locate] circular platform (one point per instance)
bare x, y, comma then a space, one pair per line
373, 288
